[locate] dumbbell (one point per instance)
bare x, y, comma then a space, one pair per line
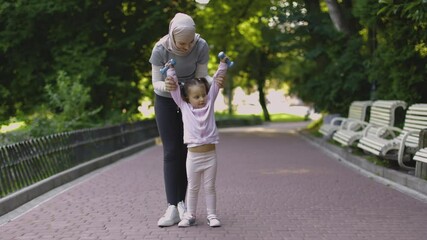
222, 55
168, 65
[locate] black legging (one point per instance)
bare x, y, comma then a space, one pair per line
169, 123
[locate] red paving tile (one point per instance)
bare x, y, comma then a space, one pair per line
270, 185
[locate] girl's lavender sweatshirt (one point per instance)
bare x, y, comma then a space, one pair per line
199, 124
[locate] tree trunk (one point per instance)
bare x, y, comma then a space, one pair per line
230, 95
337, 16
262, 101
372, 45
261, 79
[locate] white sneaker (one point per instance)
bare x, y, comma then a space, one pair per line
213, 221
171, 217
187, 220
182, 209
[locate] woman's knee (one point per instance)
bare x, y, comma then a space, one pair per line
173, 154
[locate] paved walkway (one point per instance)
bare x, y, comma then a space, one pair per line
272, 184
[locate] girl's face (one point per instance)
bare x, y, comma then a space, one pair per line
197, 95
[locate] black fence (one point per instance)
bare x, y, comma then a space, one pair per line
27, 162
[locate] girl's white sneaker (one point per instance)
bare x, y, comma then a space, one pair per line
213, 221
187, 220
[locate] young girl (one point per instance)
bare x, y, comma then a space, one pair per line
201, 135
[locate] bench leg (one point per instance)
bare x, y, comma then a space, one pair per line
421, 170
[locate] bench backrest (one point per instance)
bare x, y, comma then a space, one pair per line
383, 112
358, 110
415, 120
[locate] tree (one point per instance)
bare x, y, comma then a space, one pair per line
327, 65
249, 37
105, 44
399, 62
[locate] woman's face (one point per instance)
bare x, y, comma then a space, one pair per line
184, 45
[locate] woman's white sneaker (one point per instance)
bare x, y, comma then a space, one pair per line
213, 221
181, 209
171, 217
187, 220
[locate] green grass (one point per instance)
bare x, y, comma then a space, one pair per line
18, 131
283, 117
13, 126
313, 128
220, 116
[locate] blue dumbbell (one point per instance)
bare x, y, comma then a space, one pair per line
221, 56
168, 65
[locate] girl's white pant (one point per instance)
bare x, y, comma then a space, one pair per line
201, 166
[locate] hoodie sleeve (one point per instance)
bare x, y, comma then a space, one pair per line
176, 94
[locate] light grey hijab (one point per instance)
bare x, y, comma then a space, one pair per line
181, 27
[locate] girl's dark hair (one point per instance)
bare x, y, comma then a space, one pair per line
192, 82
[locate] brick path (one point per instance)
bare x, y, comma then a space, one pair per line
270, 185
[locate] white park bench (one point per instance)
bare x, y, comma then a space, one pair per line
357, 111
420, 157
383, 113
401, 143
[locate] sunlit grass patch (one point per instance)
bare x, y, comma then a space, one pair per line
12, 127
284, 117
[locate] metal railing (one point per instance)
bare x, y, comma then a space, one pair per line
27, 162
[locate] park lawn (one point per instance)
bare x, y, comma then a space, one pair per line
282, 117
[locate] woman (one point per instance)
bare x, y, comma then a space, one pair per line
191, 52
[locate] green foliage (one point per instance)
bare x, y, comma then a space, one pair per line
413, 10
67, 109
105, 47
399, 65
341, 81
106, 43
69, 99
324, 67
246, 37
384, 57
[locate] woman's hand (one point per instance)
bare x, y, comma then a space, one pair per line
220, 80
170, 84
